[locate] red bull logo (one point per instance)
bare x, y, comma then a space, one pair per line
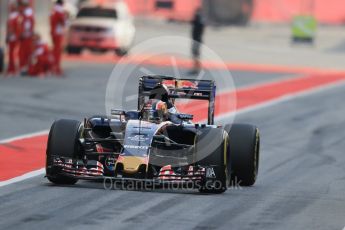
169, 83
187, 84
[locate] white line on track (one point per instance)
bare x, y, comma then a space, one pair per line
25, 136
23, 177
242, 111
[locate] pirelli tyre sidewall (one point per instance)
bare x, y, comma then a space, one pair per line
244, 153
63, 142
217, 161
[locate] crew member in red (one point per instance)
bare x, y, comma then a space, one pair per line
57, 23
41, 59
27, 24
12, 37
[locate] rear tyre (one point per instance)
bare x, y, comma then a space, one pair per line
244, 153
74, 50
216, 160
62, 142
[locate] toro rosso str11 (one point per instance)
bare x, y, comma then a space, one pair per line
156, 143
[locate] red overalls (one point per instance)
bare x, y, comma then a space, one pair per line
12, 39
57, 23
27, 24
40, 60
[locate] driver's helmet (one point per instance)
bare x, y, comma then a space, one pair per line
160, 92
156, 109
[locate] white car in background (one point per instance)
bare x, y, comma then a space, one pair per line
101, 27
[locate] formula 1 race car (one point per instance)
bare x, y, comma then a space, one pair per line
155, 144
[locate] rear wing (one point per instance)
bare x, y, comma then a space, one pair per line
180, 88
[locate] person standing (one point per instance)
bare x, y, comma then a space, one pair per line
12, 37
198, 26
57, 23
27, 25
197, 34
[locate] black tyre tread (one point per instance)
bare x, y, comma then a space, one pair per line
62, 142
215, 158
62, 180
244, 153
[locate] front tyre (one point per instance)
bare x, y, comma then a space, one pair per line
244, 153
62, 142
216, 161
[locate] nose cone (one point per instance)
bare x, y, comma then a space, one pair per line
131, 164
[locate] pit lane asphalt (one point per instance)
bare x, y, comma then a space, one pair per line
30, 105
301, 182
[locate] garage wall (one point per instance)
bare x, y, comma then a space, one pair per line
182, 9
330, 11
326, 11
42, 10
3, 16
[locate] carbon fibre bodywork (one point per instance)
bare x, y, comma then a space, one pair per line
125, 146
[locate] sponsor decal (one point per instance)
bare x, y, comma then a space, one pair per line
110, 163
138, 137
169, 83
185, 116
136, 147
187, 84
210, 173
